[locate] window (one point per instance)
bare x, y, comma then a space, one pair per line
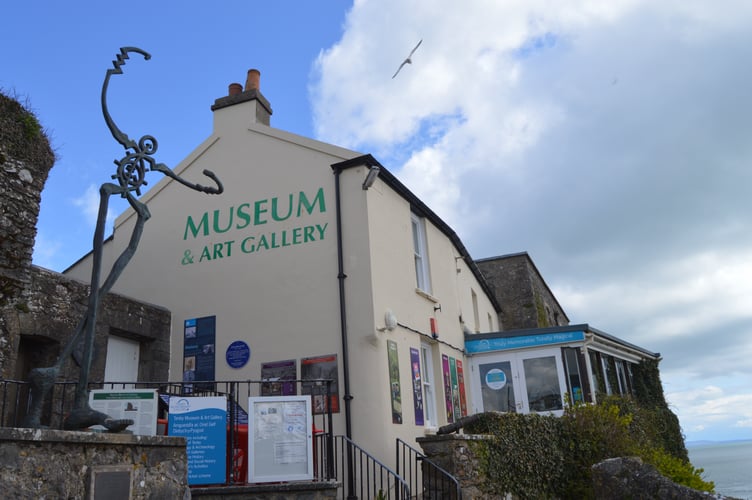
476, 319
429, 402
422, 278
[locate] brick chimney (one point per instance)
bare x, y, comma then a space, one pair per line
259, 108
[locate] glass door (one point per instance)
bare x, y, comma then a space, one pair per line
543, 375
497, 388
521, 382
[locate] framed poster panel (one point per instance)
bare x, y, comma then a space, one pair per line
139, 405
280, 439
320, 367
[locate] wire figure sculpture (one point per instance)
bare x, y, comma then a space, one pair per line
130, 177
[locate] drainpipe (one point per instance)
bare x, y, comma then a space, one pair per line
343, 328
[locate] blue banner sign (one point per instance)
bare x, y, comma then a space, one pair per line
203, 422
523, 341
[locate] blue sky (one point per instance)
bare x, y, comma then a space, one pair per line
610, 140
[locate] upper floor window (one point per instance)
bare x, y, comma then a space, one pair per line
422, 278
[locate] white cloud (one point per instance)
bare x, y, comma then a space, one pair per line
89, 203
608, 139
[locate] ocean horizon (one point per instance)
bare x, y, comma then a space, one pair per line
726, 463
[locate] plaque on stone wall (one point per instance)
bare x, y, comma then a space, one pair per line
110, 482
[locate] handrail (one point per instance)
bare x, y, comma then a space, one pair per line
429, 479
371, 478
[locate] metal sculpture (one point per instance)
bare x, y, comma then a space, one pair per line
130, 176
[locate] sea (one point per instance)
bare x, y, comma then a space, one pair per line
728, 464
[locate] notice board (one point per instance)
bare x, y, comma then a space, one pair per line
280, 441
139, 405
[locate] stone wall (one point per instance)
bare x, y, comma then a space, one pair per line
25, 161
458, 455
38, 463
525, 299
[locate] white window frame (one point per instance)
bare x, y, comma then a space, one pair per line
429, 398
420, 252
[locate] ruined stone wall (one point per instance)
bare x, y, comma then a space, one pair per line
525, 299
25, 161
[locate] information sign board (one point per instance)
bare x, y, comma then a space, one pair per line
139, 405
203, 422
280, 441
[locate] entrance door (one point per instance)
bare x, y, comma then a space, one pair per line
122, 360
521, 382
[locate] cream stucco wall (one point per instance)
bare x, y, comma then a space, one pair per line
284, 301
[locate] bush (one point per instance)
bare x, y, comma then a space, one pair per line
534, 456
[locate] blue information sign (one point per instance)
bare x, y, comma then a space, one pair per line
238, 353
203, 422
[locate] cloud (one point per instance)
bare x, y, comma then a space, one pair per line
609, 140
88, 203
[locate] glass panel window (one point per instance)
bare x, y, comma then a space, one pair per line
621, 375
542, 384
574, 380
497, 390
422, 278
429, 402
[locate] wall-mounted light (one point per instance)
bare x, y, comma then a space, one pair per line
373, 172
390, 321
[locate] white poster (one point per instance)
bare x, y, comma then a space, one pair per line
280, 441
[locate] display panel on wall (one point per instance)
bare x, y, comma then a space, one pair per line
394, 381
280, 441
199, 337
320, 367
279, 378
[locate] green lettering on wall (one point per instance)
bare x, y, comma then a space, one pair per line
303, 202
205, 254
218, 229
191, 226
258, 211
243, 216
275, 209
247, 246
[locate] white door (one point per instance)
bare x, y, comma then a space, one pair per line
121, 364
522, 382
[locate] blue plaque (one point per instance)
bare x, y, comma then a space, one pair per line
238, 354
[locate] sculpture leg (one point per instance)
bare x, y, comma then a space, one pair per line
83, 415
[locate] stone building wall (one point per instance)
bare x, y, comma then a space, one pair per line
25, 161
525, 299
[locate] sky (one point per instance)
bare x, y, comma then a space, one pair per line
609, 140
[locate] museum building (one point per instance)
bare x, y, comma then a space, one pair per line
317, 262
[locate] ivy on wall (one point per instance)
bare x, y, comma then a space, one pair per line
534, 456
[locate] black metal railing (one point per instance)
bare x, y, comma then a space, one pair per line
362, 476
15, 400
425, 476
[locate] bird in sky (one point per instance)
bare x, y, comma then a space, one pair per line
408, 60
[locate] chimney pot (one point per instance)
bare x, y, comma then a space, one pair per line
235, 89
252, 82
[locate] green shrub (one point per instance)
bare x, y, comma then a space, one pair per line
679, 471
534, 456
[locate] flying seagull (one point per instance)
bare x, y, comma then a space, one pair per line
408, 60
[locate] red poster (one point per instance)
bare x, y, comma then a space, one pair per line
447, 388
461, 382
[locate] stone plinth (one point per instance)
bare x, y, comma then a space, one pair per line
36, 463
